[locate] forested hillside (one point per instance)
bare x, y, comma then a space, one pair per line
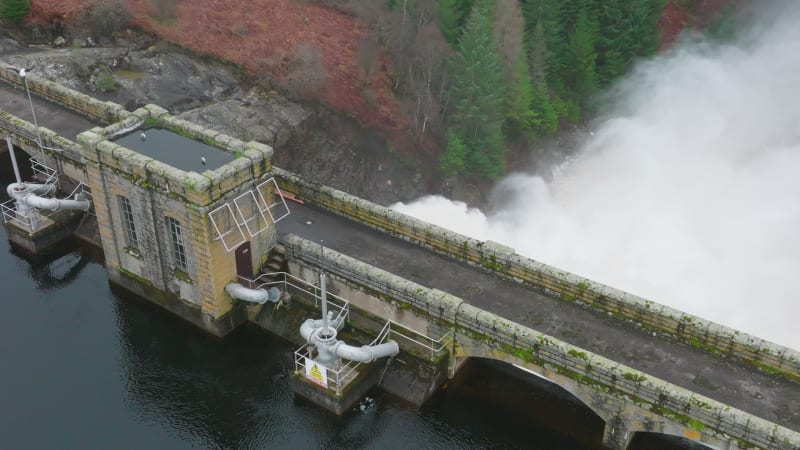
456, 83
524, 68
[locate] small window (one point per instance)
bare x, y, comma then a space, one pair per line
131, 240
178, 248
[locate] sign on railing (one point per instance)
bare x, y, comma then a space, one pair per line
316, 372
253, 211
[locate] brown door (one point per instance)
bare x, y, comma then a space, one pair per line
244, 263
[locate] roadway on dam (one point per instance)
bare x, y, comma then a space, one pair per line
740, 386
66, 123
732, 383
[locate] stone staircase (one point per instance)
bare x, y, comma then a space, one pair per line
276, 262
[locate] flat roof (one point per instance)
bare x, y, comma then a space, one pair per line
178, 151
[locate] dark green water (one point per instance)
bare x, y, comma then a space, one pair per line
85, 366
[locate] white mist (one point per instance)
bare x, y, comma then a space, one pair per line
687, 194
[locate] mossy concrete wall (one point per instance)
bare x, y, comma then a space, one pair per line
627, 399
61, 154
502, 260
101, 111
155, 190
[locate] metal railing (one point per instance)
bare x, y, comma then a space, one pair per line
433, 347
32, 220
345, 371
335, 378
292, 284
29, 221
44, 173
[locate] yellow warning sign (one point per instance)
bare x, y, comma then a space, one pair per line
316, 372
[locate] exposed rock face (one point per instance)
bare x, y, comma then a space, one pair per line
264, 117
172, 80
315, 143
8, 45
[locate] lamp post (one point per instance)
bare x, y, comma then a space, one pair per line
23, 72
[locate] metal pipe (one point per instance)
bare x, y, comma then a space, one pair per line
24, 76
324, 300
26, 196
13, 159
308, 327
55, 204
19, 190
259, 296
366, 353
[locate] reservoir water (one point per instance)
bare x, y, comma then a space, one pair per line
84, 365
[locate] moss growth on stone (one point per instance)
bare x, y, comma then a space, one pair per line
133, 276
577, 354
183, 276
633, 376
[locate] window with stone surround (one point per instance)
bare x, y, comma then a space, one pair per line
178, 248
128, 224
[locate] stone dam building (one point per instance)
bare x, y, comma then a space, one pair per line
202, 224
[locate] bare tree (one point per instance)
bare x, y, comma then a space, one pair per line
508, 32
102, 19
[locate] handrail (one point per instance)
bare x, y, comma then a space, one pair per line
341, 305
389, 330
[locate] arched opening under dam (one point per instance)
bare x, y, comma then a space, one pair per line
488, 389
658, 441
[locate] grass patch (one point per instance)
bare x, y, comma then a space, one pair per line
130, 74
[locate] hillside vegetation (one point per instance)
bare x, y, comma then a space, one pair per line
460, 81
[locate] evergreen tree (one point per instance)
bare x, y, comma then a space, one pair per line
453, 160
520, 97
544, 116
452, 16
612, 54
477, 95
14, 11
449, 19
538, 54
580, 73
508, 35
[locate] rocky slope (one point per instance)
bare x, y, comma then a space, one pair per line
315, 142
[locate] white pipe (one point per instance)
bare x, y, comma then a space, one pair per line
19, 190
55, 204
365, 353
340, 349
310, 325
324, 296
26, 195
259, 296
13, 159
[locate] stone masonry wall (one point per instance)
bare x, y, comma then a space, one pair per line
504, 339
67, 159
103, 112
156, 190
502, 260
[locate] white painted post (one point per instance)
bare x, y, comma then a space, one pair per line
13, 159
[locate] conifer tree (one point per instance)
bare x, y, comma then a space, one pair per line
453, 160
449, 19
14, 11
520, 96
452, 17
544, 117
477, 95
508, 34
580, 72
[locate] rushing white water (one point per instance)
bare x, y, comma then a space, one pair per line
687, 194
